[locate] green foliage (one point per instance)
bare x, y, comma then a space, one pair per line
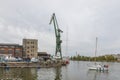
108, 58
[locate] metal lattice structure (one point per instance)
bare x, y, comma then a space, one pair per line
58, 31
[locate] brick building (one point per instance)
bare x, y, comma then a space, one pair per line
14, 50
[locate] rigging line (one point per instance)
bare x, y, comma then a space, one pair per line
66, 39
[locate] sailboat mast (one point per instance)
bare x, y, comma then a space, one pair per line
96, 49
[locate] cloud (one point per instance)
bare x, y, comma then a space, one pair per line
81, 20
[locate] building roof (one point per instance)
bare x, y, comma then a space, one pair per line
8, 44
29, 39
42, 52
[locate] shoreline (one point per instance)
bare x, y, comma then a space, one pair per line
32, 64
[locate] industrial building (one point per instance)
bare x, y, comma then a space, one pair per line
30, 47
14, 50
44, 55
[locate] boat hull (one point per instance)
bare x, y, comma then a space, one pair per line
98, 68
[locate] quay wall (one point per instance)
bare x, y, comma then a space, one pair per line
32, 64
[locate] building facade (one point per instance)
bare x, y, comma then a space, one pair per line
14, 50
30, 47
44, 55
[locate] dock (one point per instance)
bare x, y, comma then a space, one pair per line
44, 64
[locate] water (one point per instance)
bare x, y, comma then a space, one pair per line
76, 70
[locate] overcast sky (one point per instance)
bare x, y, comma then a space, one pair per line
81, 21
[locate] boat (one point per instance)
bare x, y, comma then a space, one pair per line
98, 67
66, 60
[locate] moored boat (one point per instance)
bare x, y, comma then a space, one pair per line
98, 67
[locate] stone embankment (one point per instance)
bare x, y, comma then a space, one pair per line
42, 64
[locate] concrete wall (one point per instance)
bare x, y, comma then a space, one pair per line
30, 47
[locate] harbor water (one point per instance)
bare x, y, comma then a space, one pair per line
76, 70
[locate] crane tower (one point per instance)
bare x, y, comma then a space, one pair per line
58, 31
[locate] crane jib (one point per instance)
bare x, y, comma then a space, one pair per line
57, 34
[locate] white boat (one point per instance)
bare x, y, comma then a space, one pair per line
34, 60
96, 66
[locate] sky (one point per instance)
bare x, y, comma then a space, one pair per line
80, 20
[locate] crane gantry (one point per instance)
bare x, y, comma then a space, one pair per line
57, 34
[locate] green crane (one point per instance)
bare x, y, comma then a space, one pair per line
57, 34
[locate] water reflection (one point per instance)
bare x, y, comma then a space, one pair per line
74, 71
97, 75
45, 74
58, 73
49, 73
18, 73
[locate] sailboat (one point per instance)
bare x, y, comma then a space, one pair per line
96, 66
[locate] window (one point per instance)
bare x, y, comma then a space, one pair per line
10, 51
17, 51
2, 51
27, 47
27, 42
27, 51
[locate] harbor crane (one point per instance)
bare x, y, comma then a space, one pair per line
58, 31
